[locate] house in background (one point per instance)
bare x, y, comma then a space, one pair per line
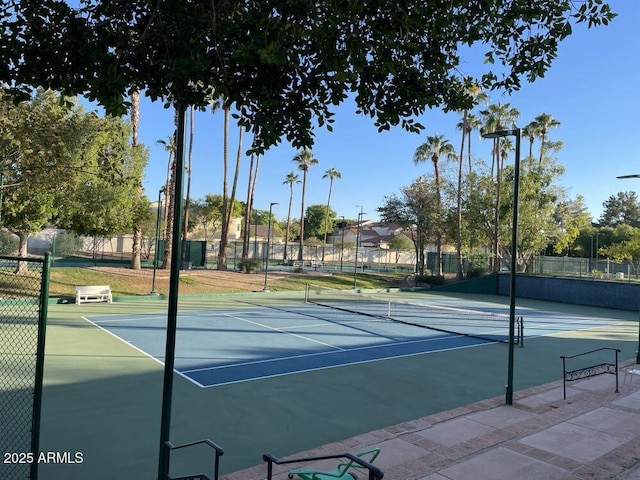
260, 233
372, 234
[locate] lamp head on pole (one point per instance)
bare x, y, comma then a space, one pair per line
501, 133
635, 175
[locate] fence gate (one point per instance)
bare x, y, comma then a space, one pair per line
23, 309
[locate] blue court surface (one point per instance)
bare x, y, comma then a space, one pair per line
217, 347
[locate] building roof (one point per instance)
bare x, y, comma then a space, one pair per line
261, 231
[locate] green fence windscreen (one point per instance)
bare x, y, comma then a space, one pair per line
195, 252
23, 300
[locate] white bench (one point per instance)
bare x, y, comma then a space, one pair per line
93, 293
630, 372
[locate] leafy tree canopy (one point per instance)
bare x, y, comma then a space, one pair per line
284, 63
317, 222
401, 242
622, 208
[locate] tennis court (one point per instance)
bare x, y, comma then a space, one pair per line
268, 372
252, 339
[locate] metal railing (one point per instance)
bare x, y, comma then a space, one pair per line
589, 371
374, 472
218, 451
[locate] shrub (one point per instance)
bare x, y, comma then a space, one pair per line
430, 279
8, 243
476, 271
67, 245
249, 265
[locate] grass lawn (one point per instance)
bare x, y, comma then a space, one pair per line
125, 282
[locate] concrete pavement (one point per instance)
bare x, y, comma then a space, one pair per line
593, 434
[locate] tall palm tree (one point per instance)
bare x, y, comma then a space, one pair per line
545, 122
254, 167
247, 210
222, 260
476, 93
531, 131
305, 160
331, 174
226, 220
433, 149
170, 196
290, 179
496, 117
169, 146
473, 123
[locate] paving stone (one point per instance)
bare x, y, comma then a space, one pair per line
503, 464
573, 441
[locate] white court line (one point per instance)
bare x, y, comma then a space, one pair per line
143, 352
326, 367
285, 332
353, 349
134, 318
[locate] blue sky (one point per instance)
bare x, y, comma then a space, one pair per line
591, 88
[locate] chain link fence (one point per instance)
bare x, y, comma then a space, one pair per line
589, 268
23, 300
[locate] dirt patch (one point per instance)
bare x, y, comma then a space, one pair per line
207, 280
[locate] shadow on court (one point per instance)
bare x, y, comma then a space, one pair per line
103, 398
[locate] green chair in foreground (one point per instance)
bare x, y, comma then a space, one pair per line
344, 469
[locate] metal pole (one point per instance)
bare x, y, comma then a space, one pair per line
638, 351
597, 238
266, 259
255, 237
355, 266
1, 194
514, 262
517, 132
172, 313
40, 354
635, 175
155, 250
342, 244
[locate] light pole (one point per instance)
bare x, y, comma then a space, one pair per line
597, 235
635, 175
266, 258
342, 243
255, 234
355, 267
155, 250
517, 133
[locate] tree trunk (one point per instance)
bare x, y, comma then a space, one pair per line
247, 213
171, 205
496, 218
137, 229
187, 201
301, 242
222, 259
168, 233
22, 267
326, 219
439, 226
286, 233
224, 240
459, 203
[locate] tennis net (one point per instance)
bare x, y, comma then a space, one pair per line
476, 323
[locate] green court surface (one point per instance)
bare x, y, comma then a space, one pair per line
102, 396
